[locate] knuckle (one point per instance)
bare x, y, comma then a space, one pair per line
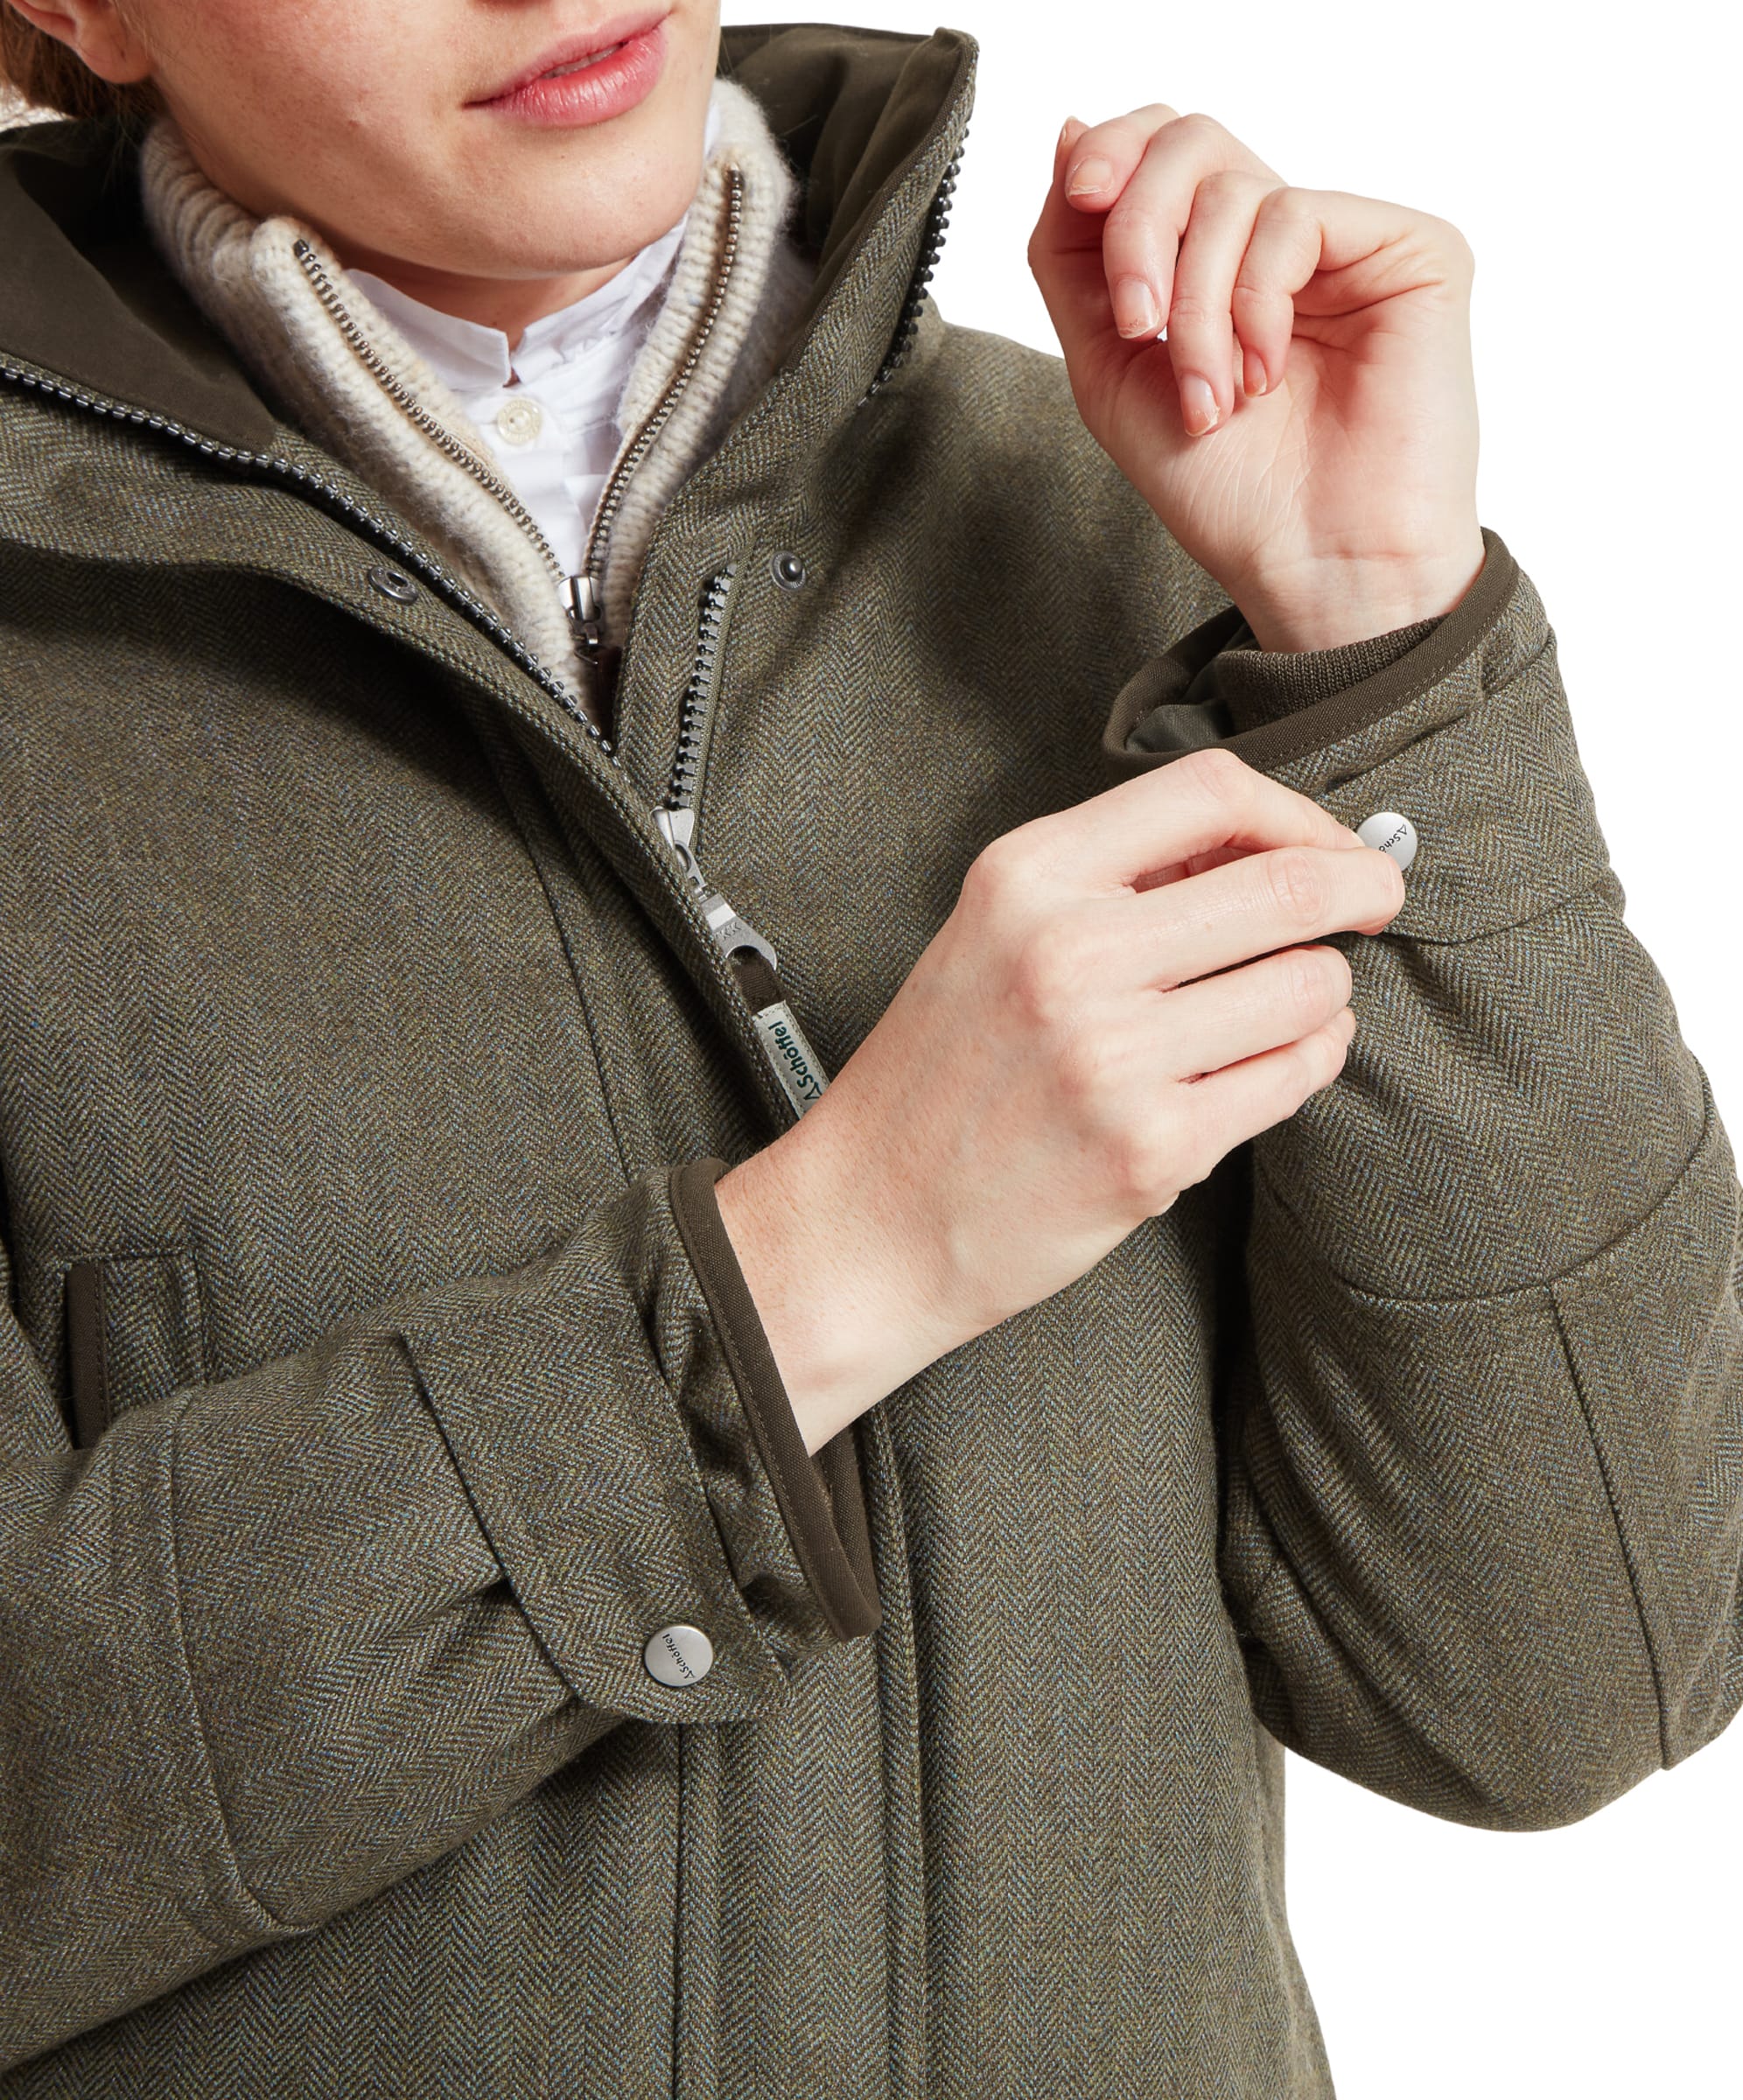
1319, 1060
1187, 307
1297, 884
1128, 215
1141, 1161
997, 868
1046, 974
1318, 982
1236, 183
1289, 205
1081, 1068
1215, 772
1199, 124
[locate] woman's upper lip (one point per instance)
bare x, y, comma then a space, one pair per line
578, 46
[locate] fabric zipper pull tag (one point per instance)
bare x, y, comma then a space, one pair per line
796, 1065
756, 966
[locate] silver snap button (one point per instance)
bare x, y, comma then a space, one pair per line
679, 1655
519, 422
1393, 834
394, 584
789, 571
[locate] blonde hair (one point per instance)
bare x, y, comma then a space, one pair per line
41, 72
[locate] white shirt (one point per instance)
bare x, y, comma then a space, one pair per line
547, 408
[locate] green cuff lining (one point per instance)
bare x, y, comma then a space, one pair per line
1214, 688
820, 1495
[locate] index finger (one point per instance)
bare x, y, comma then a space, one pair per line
1203, 804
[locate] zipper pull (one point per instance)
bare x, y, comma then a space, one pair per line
581, 597
756, 967
678, 827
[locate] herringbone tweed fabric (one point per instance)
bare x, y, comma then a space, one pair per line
376, 1376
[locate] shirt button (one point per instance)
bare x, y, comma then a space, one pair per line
679, 1655
519, 422
1393, 834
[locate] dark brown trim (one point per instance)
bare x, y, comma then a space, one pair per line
87, 1351
820, 1495
1163, 679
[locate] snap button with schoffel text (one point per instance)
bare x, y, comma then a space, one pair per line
679, 1655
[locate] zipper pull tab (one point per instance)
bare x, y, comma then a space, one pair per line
678, 827
581, 596
756, 967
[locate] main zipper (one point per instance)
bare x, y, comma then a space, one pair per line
754, 962
751, 961
795, 1064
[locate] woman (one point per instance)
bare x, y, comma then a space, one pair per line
611, 1491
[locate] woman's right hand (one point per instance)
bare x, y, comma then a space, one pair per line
1125, 990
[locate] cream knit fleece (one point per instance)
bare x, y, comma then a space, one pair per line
243, 274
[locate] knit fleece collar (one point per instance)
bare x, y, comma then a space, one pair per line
245, 275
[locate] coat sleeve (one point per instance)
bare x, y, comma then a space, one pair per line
274, 1644
1480, 1406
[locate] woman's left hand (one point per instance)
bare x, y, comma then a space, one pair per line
1333, 496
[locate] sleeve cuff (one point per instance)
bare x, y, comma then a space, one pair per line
1216, 687
1260, 685
820, 1495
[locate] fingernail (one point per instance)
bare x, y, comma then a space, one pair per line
1135, 309
1092, 174
1255, 373
1198, 402
1070, 127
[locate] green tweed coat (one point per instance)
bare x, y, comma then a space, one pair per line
377, 1383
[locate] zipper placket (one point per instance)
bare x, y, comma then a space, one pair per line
797, 1064
745, 959
794, 1063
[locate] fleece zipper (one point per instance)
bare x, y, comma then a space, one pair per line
744, 958
753, 961
729, 968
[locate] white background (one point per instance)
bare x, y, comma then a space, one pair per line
1588, 170
1589, 173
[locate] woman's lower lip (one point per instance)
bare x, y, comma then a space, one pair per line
590, 94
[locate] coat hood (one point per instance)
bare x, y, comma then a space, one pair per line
868, 120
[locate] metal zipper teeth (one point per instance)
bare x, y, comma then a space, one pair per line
932, 243
409, 555
395, 388
699, 692
611, 497
750, 1031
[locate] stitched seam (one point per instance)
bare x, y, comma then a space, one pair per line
1485, 1298
1622, 1545
213, 1800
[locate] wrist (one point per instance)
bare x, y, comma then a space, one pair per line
841, 1325
1327, 605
